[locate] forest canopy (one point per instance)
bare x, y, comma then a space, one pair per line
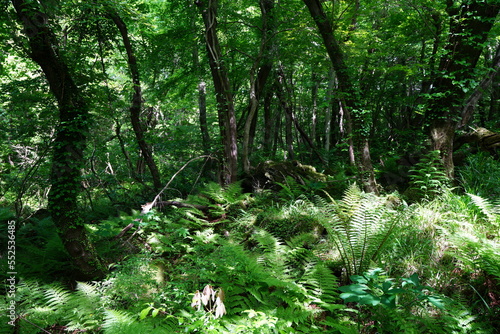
135, 134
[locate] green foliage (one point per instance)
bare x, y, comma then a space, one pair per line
478, 250
479, 175
288, 220
478, 254
226, 196
359, 225
220, 200
428, 177
40, 252
375, 288
490, 210
269, 281
402, 305
258, 254
41, 306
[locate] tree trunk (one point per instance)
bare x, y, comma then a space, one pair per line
124, 150
69, 143
469, 28
268, 123
136, 105
224, 97
314, 112
202, 105
283, 97
257, 82
349, 96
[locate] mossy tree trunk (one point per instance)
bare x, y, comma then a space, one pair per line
69, 143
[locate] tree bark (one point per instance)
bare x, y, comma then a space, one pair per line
349, 96
286, 105
268, 128
130, 166
69, 143
314, 112
262, 66
136, 105
224, 97
202, 105
469, 28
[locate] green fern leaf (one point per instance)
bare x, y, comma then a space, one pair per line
57, 296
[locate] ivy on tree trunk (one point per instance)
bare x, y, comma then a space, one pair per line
69, 143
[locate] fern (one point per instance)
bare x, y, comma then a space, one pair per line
57, 296
291, 188
428, 177
478, 253
490, 210
359, 227
268, 278
321, 284
40, 251
49, 305
232, 194
117, 322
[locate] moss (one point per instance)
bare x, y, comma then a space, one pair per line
269, 174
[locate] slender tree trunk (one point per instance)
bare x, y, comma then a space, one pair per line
262, 66
268, 124
284, 95
437, 25
225, 105
314, 111
328, 117
202, 105
286, 105
69, 144
136, 105
350, 96
124, 150
252, 111
202, 100
469, 28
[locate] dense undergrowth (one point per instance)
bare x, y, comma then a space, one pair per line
296, 261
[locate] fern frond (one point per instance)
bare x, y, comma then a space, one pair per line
490, 262
486, 207
88, 290
116, 321
228, 195
478, 253
57, 296
351, 200
297, 314
321, 283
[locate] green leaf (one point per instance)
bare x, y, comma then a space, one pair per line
436, 301
144, 313
155, 312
